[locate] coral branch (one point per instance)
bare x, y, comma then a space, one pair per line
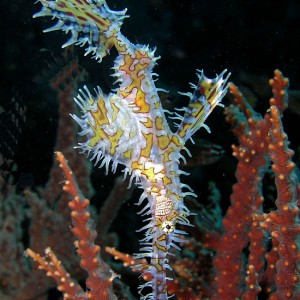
247, 197
100, 276
279, 86
246, 200
284, 223
54, 269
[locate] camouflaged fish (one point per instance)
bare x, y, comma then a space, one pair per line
128, 126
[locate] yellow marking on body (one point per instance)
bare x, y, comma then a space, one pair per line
124, 93
145, 152
136, 166
99, 135
148, 123
127, 63
149, 173
163, 141
127, 154
166, 180
110, 42
166, 154
176, 141
120, 46
157, 265
159, 123
154, 189
141, 101
162, 238
100, 115
159, 222
133, 67
115, 111
160, 247
182, 133
138, 67
100, 118
114, 140
206, 87
140, 56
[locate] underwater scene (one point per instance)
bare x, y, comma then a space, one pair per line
149, 150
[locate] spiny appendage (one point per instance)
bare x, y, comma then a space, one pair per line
166, 210
160, 236
157, 252
208, 93
111, 127
89, 21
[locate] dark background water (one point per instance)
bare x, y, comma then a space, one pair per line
249, 38
254, 37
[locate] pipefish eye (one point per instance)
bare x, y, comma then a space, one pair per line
168, 226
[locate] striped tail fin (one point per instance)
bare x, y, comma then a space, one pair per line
90, 22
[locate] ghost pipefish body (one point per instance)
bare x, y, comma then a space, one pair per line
128, 126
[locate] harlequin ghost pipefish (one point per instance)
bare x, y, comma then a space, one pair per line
128, 126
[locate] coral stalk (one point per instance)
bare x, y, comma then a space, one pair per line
54, 269
100, 276
246, 200
284, 223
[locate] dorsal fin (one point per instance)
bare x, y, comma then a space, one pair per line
207, 95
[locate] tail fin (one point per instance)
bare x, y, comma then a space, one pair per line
90, 22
